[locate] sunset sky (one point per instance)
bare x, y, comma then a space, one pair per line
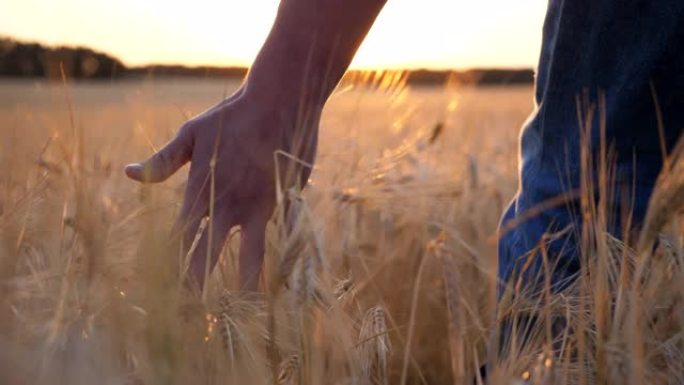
408, 33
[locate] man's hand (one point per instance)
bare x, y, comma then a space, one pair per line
232, 146
232, 177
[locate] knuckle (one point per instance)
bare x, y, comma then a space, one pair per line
161, 158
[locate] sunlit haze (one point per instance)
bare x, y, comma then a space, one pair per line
408, 33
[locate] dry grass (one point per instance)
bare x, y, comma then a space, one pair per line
388, 278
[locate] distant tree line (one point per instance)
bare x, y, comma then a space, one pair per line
33, 60
484, 76
179, 71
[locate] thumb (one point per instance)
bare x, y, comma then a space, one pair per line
166, 161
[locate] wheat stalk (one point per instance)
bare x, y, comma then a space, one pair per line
375, 346
667, 199
288, 371
237, 309
453, 295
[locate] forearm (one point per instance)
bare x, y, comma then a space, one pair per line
310, 46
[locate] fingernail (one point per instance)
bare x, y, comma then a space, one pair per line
133, 170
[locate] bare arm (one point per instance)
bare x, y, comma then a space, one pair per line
231, 146
310, 47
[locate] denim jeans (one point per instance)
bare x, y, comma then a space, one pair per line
623, 60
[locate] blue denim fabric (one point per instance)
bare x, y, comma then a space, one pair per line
591, 47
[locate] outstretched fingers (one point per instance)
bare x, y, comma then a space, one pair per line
208, 248
166, 161
203, 225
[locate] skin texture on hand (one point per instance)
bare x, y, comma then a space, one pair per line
232, 180
231, 146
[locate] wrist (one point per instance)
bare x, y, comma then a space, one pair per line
291, 97
284, 105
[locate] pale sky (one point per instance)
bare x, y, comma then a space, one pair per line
407, 34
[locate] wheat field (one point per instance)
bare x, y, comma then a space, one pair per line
389, 278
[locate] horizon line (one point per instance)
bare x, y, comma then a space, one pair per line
242, 65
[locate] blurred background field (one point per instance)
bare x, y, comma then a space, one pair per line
83, 296
389, 279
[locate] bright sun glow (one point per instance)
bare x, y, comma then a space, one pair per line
408, 33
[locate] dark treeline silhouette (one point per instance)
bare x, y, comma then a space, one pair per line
478, 76
179, 71
33, 60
